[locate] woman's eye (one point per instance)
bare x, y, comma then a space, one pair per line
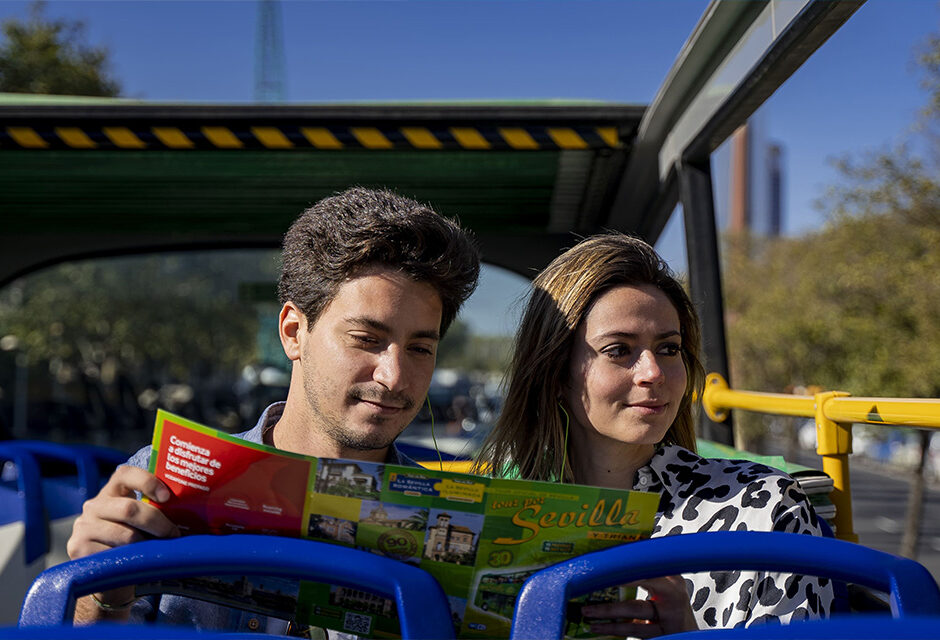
670, 349
615, 351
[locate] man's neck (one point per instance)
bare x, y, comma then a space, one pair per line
293, 433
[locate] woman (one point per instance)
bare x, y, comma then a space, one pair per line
600, 392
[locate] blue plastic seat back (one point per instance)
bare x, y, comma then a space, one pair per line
105, 631
71, 474
78, 464
423, 608
106, 457
540, 606
841, 602
22, 500
857, 627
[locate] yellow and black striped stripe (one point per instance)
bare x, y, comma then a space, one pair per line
266, 136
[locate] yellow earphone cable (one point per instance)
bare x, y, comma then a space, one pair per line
433, 438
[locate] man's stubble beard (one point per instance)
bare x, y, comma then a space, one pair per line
335, 428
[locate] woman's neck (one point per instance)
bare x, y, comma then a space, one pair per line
609, 464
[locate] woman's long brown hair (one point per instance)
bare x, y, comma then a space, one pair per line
529, 439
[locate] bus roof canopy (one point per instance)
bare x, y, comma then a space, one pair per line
99, 176
93, 176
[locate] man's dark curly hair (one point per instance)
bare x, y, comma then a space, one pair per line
340, 235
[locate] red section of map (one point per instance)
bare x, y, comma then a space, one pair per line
223, 487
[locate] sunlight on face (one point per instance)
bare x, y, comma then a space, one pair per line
368, 359
626, 376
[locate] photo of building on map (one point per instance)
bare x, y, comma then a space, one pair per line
330, 528
352, 479
358, 600
453, 536
398, 516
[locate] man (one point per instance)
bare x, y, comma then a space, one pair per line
370, 282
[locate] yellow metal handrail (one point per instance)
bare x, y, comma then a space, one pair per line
835, 412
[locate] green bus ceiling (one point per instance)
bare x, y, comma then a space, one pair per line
81, 178
252, 192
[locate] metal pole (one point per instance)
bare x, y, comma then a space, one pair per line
834, 444
698, 207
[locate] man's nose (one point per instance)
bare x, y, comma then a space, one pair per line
390, 369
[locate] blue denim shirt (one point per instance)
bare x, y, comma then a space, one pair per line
179, 610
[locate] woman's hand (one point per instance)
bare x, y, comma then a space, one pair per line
667, 610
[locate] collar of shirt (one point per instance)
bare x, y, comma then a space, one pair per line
655, 476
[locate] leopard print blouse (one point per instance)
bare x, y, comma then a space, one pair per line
700, 494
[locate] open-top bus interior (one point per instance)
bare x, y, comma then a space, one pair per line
110, 203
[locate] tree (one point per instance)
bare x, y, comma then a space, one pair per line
127, 334
929, 60
417, 521
462, 349
854, 305
451, 348
42, 55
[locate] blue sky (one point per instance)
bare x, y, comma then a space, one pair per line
860, 91
354, 50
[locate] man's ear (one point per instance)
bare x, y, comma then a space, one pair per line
291, 325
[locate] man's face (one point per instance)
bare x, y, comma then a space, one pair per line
368, 359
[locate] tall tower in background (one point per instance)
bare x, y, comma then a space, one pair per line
775, 188
755, 195
739, 205
269, 54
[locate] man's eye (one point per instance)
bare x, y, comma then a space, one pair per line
362, 339
423, 350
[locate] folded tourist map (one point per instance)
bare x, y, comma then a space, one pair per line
479, 537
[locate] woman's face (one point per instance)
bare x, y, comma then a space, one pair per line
626, 377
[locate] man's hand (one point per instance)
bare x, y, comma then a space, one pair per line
114, 518
667, 610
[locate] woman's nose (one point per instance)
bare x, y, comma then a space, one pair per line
647, 368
